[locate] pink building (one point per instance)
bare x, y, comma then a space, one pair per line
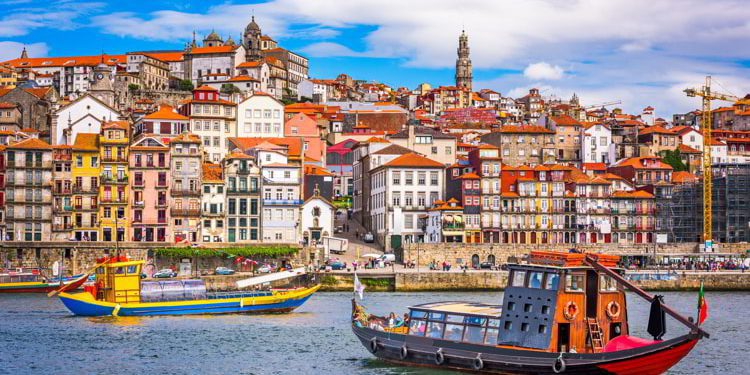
149, 168
301, 125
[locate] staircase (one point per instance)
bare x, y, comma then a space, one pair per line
595, 334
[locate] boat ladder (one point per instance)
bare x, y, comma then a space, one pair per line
595, 334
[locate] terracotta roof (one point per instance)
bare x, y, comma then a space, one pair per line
166, 56
242, 78
565, 120
212, 173
86, 142
206, 88
594, 166
376, 140
165, 112
512, 129
212, 50
116, 125
314, 170
656, 129
683, 177
30, 130
611, 176
413, 160
43, 62
631, 194
187, 138
31, 144
469, 176
716, 142
8, 105
250, 64
393, 150
238, 155
293, 145
685, 149
638, 163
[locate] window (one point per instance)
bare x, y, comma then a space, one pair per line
552, 281
474, 334
535, 280
396, 177
574, 283
607, 284
453, 332
421, 176
434, 149
519, 278
435, 330
417, 327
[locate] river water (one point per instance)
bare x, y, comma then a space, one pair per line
39, 336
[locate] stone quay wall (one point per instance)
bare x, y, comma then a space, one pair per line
461, 253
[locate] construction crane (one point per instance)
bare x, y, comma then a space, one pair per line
707, 95
602, 105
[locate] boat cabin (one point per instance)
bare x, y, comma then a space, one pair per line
21, 275
555, 302
558, 303
118, 281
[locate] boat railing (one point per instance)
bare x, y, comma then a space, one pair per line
229, 295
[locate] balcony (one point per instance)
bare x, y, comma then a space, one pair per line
62, 227
243, 171
149, 165
12, 183
114, 159
161, 185
61, 209
282, 202
452, 226
138, 184
107, 179
138, 204
185, 212
114, 200
61, 191
182, 192
44, 164
77, 189
161, 203
242, 191
213, 214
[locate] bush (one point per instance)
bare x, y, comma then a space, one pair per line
329, 280
227, 252
186, 85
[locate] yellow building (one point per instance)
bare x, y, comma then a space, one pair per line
113, 192
8, 77
85, 177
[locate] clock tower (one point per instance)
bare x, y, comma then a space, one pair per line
101, 84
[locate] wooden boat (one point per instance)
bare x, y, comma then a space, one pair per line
561, 313
32, 281
119, 291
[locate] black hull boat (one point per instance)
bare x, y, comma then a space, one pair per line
494, 339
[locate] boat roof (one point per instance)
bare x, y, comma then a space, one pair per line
471, 308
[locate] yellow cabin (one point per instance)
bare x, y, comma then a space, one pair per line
119, 282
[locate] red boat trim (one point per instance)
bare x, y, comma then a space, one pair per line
654, 363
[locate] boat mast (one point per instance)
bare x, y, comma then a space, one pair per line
592, 261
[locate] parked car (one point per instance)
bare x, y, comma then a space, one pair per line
337, 265
368, 237
165, 273
486, 266
388, 258
223, 271
266, 268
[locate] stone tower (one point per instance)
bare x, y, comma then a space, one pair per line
251, 41
101, 84
463, 62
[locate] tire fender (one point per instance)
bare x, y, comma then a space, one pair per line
439, 357
403, 353
478, 363
373, 345
559, 365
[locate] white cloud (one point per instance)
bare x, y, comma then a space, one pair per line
636, 46
543, 71
12, 50
59, 15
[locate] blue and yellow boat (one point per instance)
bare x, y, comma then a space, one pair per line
119, 291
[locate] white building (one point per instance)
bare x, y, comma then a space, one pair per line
597, 146
282, 191
211, 118
260, 115
83, 115
315, 89
690, 137
257, 70
213, 62
719, 152
317, 218
401, 193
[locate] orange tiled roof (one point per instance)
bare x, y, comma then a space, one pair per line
242, 78
293, 145
565, 120
187, 138
656, 129
682, 177
167, 56
42, 62
86, 142
469, 176
685, 149
116, 125
250, 64
524, 129
413, 160
165, 112
206, 88
212, 173
314, 170
631, 194
31, 144
637, 163
595, 166
212, 50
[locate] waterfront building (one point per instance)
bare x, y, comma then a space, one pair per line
282, 196
597, 146
260, 115
243, 186
28, 191
2, 193
186, 158
213, 199
164, 123
62, 189
115, 181
568, 134
445, 222
632, 217
317, 218
523, 144
85, 173
402, 191
431, 143
149, 164
486, 162
471, 196
593, 209
212, 119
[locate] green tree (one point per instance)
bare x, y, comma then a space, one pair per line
229, 89
133, 87
186, 85
673, 158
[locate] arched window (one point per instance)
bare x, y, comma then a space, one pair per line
491, 259
475, 261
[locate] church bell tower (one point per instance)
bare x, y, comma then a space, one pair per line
463, 62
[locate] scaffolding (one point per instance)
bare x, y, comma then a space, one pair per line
730, 206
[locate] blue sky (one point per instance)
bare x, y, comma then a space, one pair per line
638, 51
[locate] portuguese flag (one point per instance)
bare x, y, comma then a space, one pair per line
702, 306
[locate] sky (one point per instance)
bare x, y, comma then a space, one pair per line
640, 52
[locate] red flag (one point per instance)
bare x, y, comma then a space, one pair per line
702, 306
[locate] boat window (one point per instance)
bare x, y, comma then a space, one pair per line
519, 278
132, 269
474, 334
437, 316
435, 330
417, 327
416, 314
120, 270
493, 323
508, 325
552, 282
607, 284
455, 318
474, 320
574, 283
453, 332
491, 337
535, 280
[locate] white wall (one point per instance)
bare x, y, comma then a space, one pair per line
260, 116
92, 110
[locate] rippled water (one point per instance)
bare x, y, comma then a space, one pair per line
38, 335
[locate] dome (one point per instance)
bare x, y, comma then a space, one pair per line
229, 41
252, 25
213, 36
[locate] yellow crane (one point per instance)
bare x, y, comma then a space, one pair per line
707, 95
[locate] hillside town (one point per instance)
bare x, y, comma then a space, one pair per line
233, 142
